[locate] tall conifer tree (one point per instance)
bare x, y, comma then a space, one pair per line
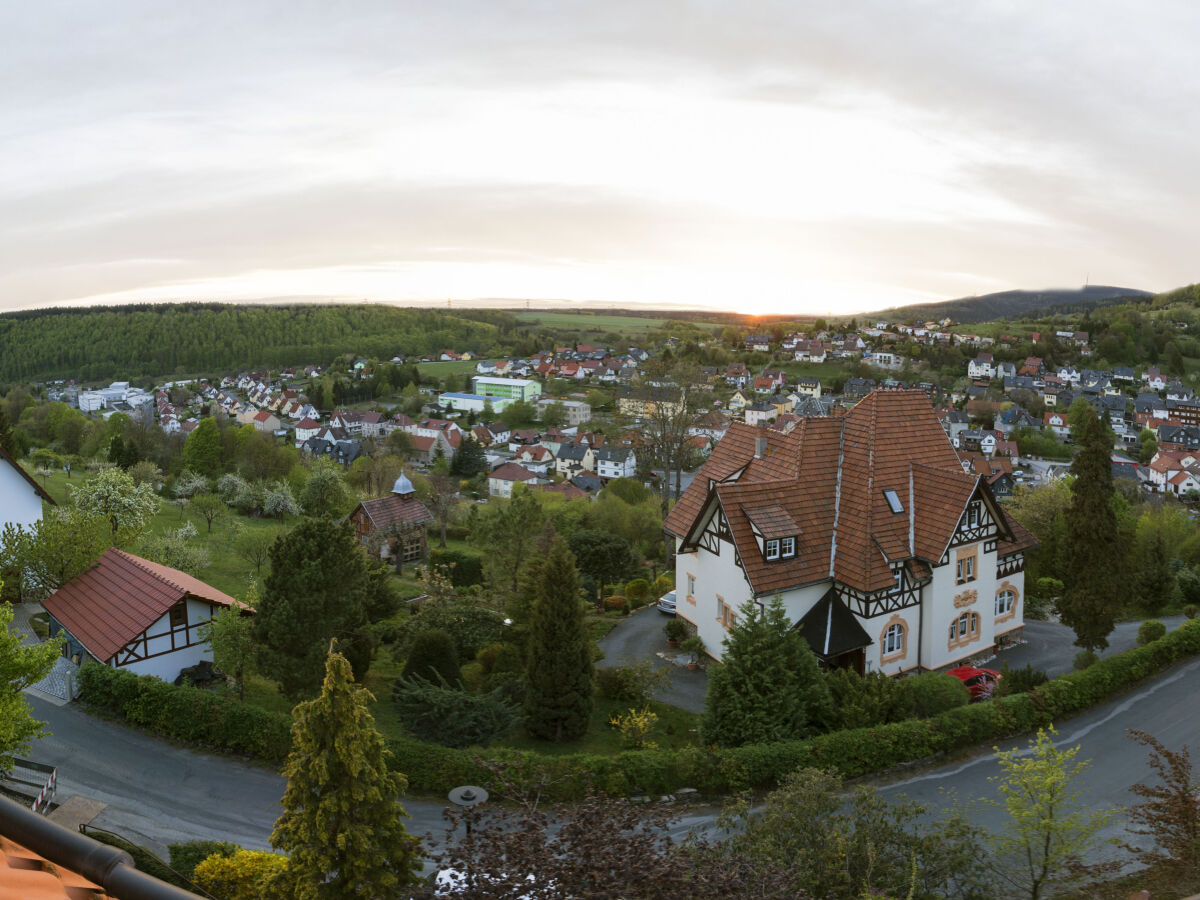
559, 676
342, 819
1092, 545
769, 686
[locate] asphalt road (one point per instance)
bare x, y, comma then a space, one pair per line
158, 793
1166, 707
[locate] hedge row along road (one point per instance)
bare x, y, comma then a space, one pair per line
158, 793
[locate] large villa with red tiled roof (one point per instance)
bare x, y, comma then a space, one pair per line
885, 553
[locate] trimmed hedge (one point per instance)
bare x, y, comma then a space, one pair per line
851, 753
192, 714
187, 713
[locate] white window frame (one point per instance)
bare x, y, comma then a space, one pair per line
974, 515
771, 549
787, 547
893, 639
1003, 609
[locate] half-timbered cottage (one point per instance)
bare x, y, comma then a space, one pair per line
131, 613
393, 527
885, 553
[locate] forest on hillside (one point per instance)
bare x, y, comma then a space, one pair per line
132, 341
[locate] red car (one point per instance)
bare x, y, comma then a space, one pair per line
980, 682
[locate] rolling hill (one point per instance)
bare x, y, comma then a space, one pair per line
1013, 304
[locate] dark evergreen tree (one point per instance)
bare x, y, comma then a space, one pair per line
769, 686
342, 824
469, 461
604, 556
559, 676
116, 450
321, 586
1093, 550
1155, 580
433, 655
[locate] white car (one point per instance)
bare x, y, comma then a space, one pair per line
666, 603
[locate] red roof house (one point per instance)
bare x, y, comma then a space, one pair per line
131, 613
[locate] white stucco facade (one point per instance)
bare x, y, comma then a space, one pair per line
20, 504
933, 633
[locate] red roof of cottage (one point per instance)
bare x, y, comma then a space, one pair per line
120, 597
511, 471
307, 422
828, 477
394, 510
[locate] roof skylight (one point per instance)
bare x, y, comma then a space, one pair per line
893, 500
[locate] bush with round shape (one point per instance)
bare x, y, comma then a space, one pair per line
433, 654
931, 694
1085, 659
1150, 630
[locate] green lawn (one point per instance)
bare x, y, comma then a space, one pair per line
226, 570
450, 367
230, 573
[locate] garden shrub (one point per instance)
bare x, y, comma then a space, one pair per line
461, 567
633, 683
472, 627
187, 713
1085, 659
1019, 681
437, 712
931, 693
433, 656
1150, 630
860, 701
189, 854
615, 603
246, 875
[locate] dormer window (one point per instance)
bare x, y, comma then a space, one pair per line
893, 500
771, 549
787, 547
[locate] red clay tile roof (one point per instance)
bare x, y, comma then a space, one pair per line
26, 876
120, 597
395, 510
511, 471
828, 476
41, 491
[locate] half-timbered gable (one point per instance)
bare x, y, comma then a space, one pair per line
128, 612
868, 515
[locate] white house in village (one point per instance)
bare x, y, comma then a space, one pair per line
885, 553
22, 495
130, 613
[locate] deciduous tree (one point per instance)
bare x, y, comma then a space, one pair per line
202, 450
1169, 811
21, 665
114, 496
210, 507
342, 824
1048, 829
231, 633
63, 544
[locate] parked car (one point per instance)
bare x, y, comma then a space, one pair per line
980, 682
666, 603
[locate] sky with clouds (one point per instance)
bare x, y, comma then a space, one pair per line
758, 156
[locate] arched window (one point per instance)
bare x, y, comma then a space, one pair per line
1005, 601
964, 625
893, 639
